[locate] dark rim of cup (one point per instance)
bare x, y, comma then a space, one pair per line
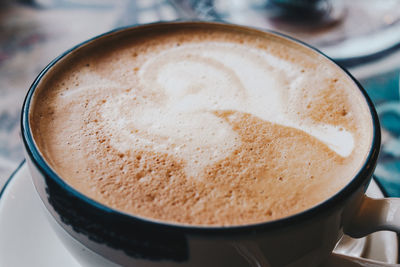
358, 180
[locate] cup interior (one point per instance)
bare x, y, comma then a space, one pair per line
57, 65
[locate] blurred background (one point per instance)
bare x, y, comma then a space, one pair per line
361, 35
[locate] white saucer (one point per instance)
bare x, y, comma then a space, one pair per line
26, 238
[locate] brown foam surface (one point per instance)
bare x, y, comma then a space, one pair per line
95, 125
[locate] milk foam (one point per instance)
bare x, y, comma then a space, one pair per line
194, 81
203, 127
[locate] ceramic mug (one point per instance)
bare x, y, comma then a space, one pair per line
98, 235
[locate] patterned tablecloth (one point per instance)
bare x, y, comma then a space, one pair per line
384, 89
31, 35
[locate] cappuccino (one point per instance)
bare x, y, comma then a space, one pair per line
202, 125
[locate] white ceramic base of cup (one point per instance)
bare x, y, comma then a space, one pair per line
27, 239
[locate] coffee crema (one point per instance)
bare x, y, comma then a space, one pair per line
202, 125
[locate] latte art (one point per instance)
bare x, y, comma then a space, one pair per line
184, 87
205, 128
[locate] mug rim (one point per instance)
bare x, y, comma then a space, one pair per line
366, 169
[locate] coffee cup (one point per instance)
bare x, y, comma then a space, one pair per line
200, 143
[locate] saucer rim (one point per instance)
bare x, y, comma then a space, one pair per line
12, 175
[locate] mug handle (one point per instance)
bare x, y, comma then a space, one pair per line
373, 215
348, 261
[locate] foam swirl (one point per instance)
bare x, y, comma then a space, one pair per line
182, 87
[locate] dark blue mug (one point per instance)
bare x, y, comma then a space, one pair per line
98, 234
